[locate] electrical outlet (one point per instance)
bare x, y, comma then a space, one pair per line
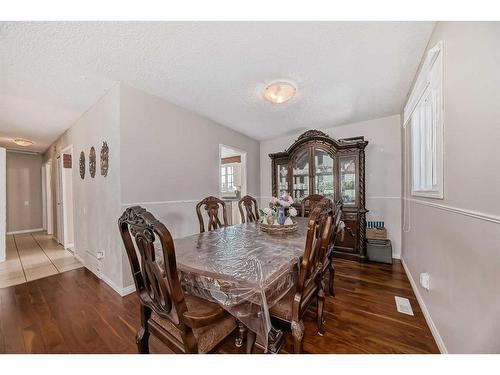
425, 280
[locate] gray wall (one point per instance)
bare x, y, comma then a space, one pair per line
383, 169
457, 239
96, 201
24, 192
170, 158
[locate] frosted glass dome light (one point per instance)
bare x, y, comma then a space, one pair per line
22, 142
279, 92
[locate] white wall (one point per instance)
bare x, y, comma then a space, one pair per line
96, 207
457, 239
170, 158
3, 206
383, 169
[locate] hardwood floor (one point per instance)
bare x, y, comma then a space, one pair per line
75, 312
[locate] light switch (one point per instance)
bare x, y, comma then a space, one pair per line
26, 203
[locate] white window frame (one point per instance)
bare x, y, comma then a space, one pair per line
226, 172
424, 113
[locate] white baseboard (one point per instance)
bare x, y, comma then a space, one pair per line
425, 311
128, 290
121, 291
79, 258
26, 231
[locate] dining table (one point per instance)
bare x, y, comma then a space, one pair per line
245, 270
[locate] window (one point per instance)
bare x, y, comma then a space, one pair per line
424, 115
227, 179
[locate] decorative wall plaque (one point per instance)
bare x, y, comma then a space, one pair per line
82, 165
92, 162
67, 161
104, 159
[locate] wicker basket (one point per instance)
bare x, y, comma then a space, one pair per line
278, 229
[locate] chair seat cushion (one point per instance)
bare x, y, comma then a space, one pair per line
283, 308
207, 337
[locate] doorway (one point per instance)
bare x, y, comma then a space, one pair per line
64, 198
232, 179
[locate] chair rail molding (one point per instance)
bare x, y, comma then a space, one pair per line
124, 205
461, 211
159, 202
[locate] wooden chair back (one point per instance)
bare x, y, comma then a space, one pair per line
156, 280
211, 206
245, 205
317, 239
309, 202
337, 218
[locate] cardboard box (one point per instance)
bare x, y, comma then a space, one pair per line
376, 233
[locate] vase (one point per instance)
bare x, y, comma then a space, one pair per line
281, 215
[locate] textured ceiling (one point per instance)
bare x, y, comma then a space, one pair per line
52, 72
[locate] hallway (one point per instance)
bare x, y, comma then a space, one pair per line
33, 256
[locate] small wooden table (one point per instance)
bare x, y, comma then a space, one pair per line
243, 269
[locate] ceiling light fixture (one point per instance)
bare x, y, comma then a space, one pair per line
279, 92
22, 142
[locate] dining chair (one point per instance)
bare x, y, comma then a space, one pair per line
336, 231
310, 285
309, 202
248, 202
185, 323
211, 205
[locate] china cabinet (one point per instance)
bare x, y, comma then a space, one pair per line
318, 164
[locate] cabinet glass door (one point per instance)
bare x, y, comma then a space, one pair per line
323, 174
282, 183
300, 177
348, 180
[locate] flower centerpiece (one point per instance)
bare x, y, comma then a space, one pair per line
279, 212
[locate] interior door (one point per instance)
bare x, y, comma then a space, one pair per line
59, 201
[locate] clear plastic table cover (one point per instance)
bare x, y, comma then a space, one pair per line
243, 269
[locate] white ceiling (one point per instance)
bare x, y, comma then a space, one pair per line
52, 72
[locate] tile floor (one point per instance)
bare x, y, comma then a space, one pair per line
32, 256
